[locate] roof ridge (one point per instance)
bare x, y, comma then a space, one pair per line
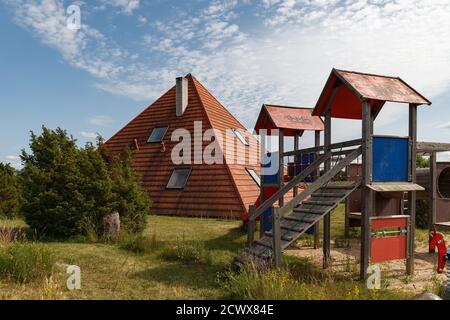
291, 107
368, 74
196, 81
227, 165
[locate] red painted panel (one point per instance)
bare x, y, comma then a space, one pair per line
388, 248
386, 223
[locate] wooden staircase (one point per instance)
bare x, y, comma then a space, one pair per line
300, 214
303, 217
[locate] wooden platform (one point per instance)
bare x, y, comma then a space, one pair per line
395, 187
442, 225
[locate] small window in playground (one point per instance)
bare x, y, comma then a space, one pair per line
157, 134
254, 176
240, 136
178, 178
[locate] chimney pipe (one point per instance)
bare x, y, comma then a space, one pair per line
182, 95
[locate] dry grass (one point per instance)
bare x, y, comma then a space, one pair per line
115, 271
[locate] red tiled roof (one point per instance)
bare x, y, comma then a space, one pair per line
211, 190
353, 87
293, 120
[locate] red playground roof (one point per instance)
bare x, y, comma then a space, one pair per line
354, 87
293, 120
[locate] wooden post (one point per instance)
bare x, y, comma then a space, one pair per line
251, 226
317, 226
276, 237
433, 195
412, 194
327, 218
261, 188
347, 211
296, 147
281, 168
367, 195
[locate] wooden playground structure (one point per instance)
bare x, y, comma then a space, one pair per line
386, 168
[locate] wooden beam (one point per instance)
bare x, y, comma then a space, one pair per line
327, 168
429, 147
296, 147
317, 225
337, 145
251, 226
367, 195
432, 194
276, 237
281, 163
347, 212
322, 180
412, 194
261, 188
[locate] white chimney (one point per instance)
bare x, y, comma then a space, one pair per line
182, 95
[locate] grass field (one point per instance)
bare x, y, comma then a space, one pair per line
165, 270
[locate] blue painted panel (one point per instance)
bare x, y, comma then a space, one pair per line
390, 159
302, 162
268, 179
267, 220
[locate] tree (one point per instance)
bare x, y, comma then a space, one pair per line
67, 190
131, 200
422, 162
9, 191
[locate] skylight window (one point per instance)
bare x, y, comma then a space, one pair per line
254, 176
240, 136
157, 134
179, 178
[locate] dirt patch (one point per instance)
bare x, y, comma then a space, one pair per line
345, 262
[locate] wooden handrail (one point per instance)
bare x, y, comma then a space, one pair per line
287, 187
332, 146
326, 177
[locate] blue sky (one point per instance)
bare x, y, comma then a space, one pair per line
247, 52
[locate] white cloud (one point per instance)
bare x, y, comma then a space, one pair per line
87, 134
127, 6
444, 126
286, 60
101, 121
14, 161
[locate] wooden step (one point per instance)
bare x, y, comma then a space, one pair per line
283, 237
328, 195
311, 211
298, 230
262, 243
319, 203
304, 219
340, 185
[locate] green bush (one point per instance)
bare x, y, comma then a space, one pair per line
187, 252
25, 262
9, 192
422, 214
137, 243
69, 190
66, 189
131, 200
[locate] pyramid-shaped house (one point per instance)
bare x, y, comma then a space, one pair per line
189, 184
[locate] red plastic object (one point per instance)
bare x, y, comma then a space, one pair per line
437, 240
268, 192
